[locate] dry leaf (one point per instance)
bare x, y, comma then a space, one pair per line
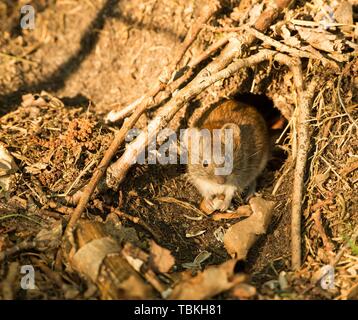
241, 236
199, 259
208, 283
161, 258
344, 14
88, 259
243, 291
7, 168
321, 40
51, 236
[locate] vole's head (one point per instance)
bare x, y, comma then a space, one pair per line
211, 152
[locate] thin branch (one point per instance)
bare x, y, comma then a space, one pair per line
293, 51
302, 147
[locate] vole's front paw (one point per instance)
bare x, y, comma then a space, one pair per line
225, 205
222, 202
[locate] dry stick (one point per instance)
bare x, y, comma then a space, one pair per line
117, 171
173, 86
166, 75
25, 245
293, 51
316, 216
270, 13
301, 157
52, 275
137, 220
119, 138
303, 142
7, 285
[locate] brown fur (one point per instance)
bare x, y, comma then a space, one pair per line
250, 150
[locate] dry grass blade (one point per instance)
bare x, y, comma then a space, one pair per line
181, 203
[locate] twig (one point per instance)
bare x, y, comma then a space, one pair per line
320, 23
270, 13
190, 69
303, 143
304, 98
321, 204
52, 275
17, 215
293, 51
8, 285
185, 205
243, 211
173, 86
137, 258
16, 58
137, 220
342, 103
60, 208
25, 245
318, 223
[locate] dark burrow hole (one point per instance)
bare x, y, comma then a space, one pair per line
276, 124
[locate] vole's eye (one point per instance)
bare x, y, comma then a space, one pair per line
205, 163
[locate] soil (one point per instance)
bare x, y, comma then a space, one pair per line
96, 56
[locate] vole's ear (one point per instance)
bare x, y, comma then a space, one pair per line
233, 131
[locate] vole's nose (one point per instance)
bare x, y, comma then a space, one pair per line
220, 179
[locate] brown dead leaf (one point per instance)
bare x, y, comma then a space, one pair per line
29, 100
7, 169
208, 283
241, 236
52, 236
321, 40
243, 291
161, 258
344, 14
88, 259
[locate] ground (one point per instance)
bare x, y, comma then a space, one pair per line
90, 57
